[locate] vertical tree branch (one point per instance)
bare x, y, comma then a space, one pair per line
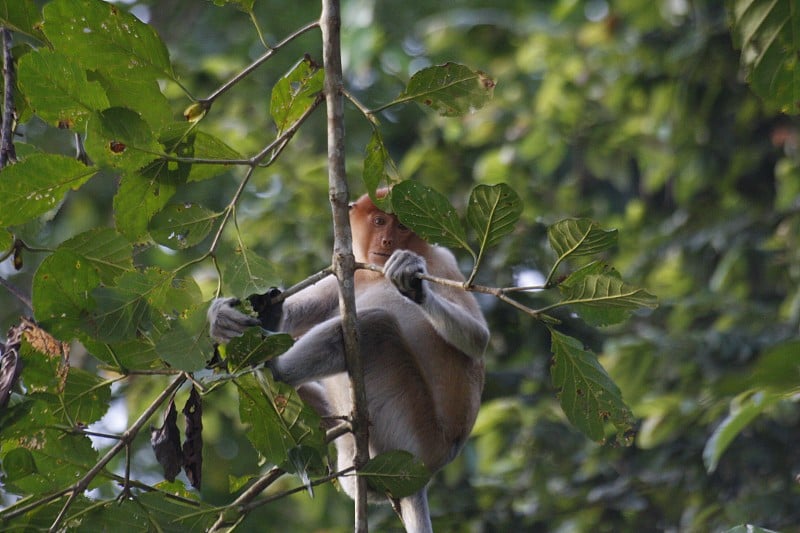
7, 153
343, 259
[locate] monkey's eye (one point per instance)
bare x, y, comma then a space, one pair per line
379, 221
403, 228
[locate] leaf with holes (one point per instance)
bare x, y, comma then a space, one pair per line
450, 89
181, 226
295, 93
588, 396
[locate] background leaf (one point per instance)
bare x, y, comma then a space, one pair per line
397, 473
295, 92
450, 89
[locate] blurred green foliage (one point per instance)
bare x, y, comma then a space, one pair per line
633, 113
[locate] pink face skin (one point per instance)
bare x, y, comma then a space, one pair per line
377, 234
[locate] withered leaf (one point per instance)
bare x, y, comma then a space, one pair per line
166, 443
193, 445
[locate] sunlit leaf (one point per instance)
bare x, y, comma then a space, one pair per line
429, 214
492, 212
295, 93
768, 33
104, 37
104, 250
58, 90
37, 184
744, 409
22, 16
397, 473
588, 396
604, 299
183, 140
86, 397
141, 94
181, 226
450, 89
578, 237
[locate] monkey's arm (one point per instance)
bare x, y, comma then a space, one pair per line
457, 320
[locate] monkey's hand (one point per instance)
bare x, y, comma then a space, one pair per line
402, 269
269, 313
226, 322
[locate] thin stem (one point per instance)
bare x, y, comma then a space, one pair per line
124, 441
255, 64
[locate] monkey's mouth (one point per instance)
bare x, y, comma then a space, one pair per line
382, 257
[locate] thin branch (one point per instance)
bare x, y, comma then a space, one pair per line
343, 259
125, 439
255, 64
7, 152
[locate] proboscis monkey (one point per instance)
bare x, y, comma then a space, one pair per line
422, 346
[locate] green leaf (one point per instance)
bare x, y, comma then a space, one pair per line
768, 33
379, 169
429, 214
181, 226
184, 140
187, 345
22, 16
492, 212
247, 273
104, 250
17, 464
119, 138
85, 399
104, 37
450, 89
744, 409
254, 348
62, 293
579, 237
141, 94
57, 89
278, 419
138, 354
60, 460
588, 396
143, 194
397, 473
37, 184
604, 299
295, 93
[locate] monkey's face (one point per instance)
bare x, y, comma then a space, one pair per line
377, 234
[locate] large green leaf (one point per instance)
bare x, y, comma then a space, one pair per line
768, 33
141, 94
397, 473
61, 296
120, 138
278, 419
492, 212
744, 409
588, 396
141, 195
295, 93
22, 16
37, 184
187, 345
254, 348
104, 37
578, 237
58, 90
603, 299
85, 399
246, 273
181, 226
450, 89
429, 214
183, 140
104, 250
